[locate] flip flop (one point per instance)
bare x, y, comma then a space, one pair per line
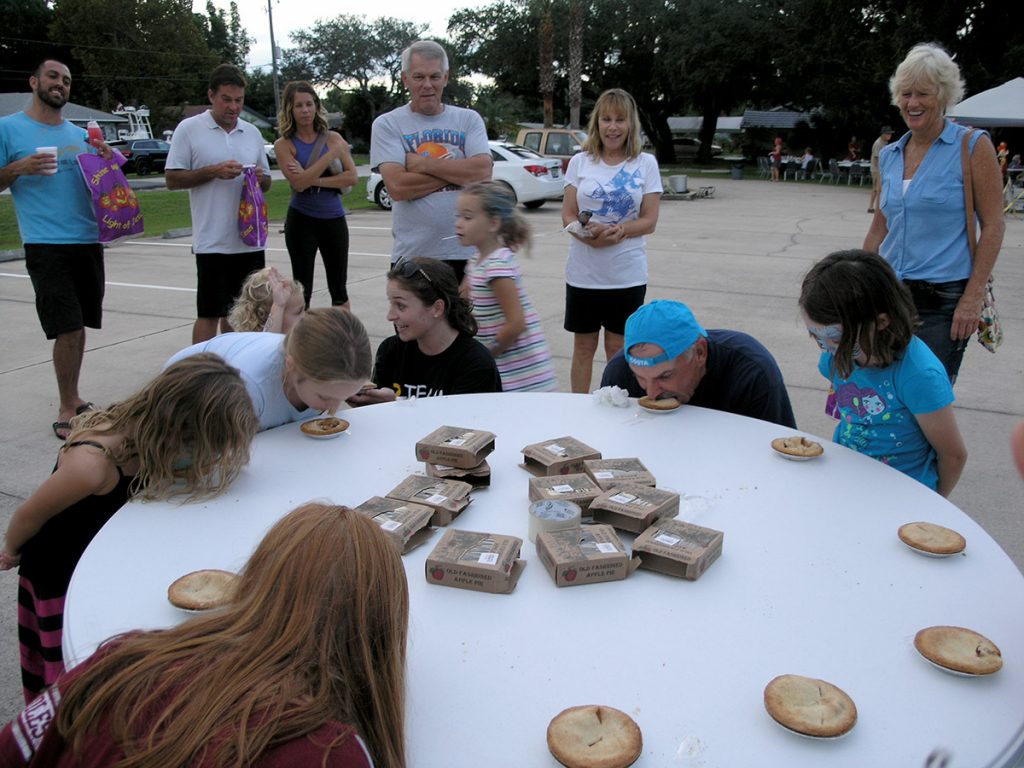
59, 426
84, 407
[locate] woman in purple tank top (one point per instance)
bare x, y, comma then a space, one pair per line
316, 217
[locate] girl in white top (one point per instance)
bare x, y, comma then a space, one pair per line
617, 190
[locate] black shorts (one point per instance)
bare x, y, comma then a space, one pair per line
220, 279
587, 310
68, 280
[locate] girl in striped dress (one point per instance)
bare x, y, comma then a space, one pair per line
486, 219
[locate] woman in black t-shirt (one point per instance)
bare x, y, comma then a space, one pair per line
433, 351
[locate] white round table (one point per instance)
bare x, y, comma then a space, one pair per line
812, 580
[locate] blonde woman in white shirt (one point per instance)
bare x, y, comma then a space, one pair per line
612, 193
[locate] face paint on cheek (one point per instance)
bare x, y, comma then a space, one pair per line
827, 337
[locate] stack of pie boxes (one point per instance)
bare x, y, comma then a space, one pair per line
455, 459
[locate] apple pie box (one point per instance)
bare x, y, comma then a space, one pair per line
610, 473
634, 508
584, 555
579, 489
561, 456
678, 548
484, 562
456, 447
407, 524
478, 477
446, 497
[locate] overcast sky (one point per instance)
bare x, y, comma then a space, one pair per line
303, 15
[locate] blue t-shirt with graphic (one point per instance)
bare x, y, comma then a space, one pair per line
877, 407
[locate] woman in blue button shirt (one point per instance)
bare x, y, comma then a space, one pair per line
920, 228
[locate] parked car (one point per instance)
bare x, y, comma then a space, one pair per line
562, 143
144, 155
530, 178
687, 147
271, 154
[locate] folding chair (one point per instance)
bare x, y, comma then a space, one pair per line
830, 174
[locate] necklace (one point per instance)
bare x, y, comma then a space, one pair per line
913, 156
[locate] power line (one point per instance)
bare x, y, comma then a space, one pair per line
147, 51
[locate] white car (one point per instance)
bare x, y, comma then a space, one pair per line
271, 154
531, 178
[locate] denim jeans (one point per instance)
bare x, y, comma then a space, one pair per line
936, 303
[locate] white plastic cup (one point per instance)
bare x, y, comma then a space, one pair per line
49, 151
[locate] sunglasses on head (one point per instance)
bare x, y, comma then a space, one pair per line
408, 269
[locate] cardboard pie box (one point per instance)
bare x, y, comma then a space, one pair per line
446, 497
484, 562
678, 548
407, 524
634, 508
579, 489
478, 477
456, 447
561, 456
584, 555
611, 473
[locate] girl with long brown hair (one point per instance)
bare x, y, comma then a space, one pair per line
187, 432
305, 666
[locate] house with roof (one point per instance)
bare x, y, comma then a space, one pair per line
11, 103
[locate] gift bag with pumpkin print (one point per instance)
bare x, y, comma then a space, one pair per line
113, 201
252, 210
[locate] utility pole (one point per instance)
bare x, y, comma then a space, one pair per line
273, 59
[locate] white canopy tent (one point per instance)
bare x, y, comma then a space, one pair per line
999, 107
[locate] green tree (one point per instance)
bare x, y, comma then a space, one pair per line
23, 42
349, 52
154, 54
224, 34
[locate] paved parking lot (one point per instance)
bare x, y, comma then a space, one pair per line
737, 259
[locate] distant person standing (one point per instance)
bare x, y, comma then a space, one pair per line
207, 155
426, 152
316, 217
876, 175
853, 150
63, 255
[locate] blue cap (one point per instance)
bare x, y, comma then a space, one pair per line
668, 324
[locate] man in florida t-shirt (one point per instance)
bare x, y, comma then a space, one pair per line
426, 151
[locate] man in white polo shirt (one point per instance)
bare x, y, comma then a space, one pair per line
207, 155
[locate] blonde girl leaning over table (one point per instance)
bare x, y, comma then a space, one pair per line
186, 432
267, 302
507, 324
894, 400
320, 363
305, 667
618, 189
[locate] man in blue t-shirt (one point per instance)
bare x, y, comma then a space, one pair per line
63, 255
667, 353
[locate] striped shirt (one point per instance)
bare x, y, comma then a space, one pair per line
526, 365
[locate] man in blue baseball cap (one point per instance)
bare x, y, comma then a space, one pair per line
668, 354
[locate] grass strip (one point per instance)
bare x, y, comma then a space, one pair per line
163, 210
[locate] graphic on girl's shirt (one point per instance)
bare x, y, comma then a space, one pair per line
617, 200
864, 413
865, 402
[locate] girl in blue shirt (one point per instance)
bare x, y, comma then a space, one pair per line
892, 395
